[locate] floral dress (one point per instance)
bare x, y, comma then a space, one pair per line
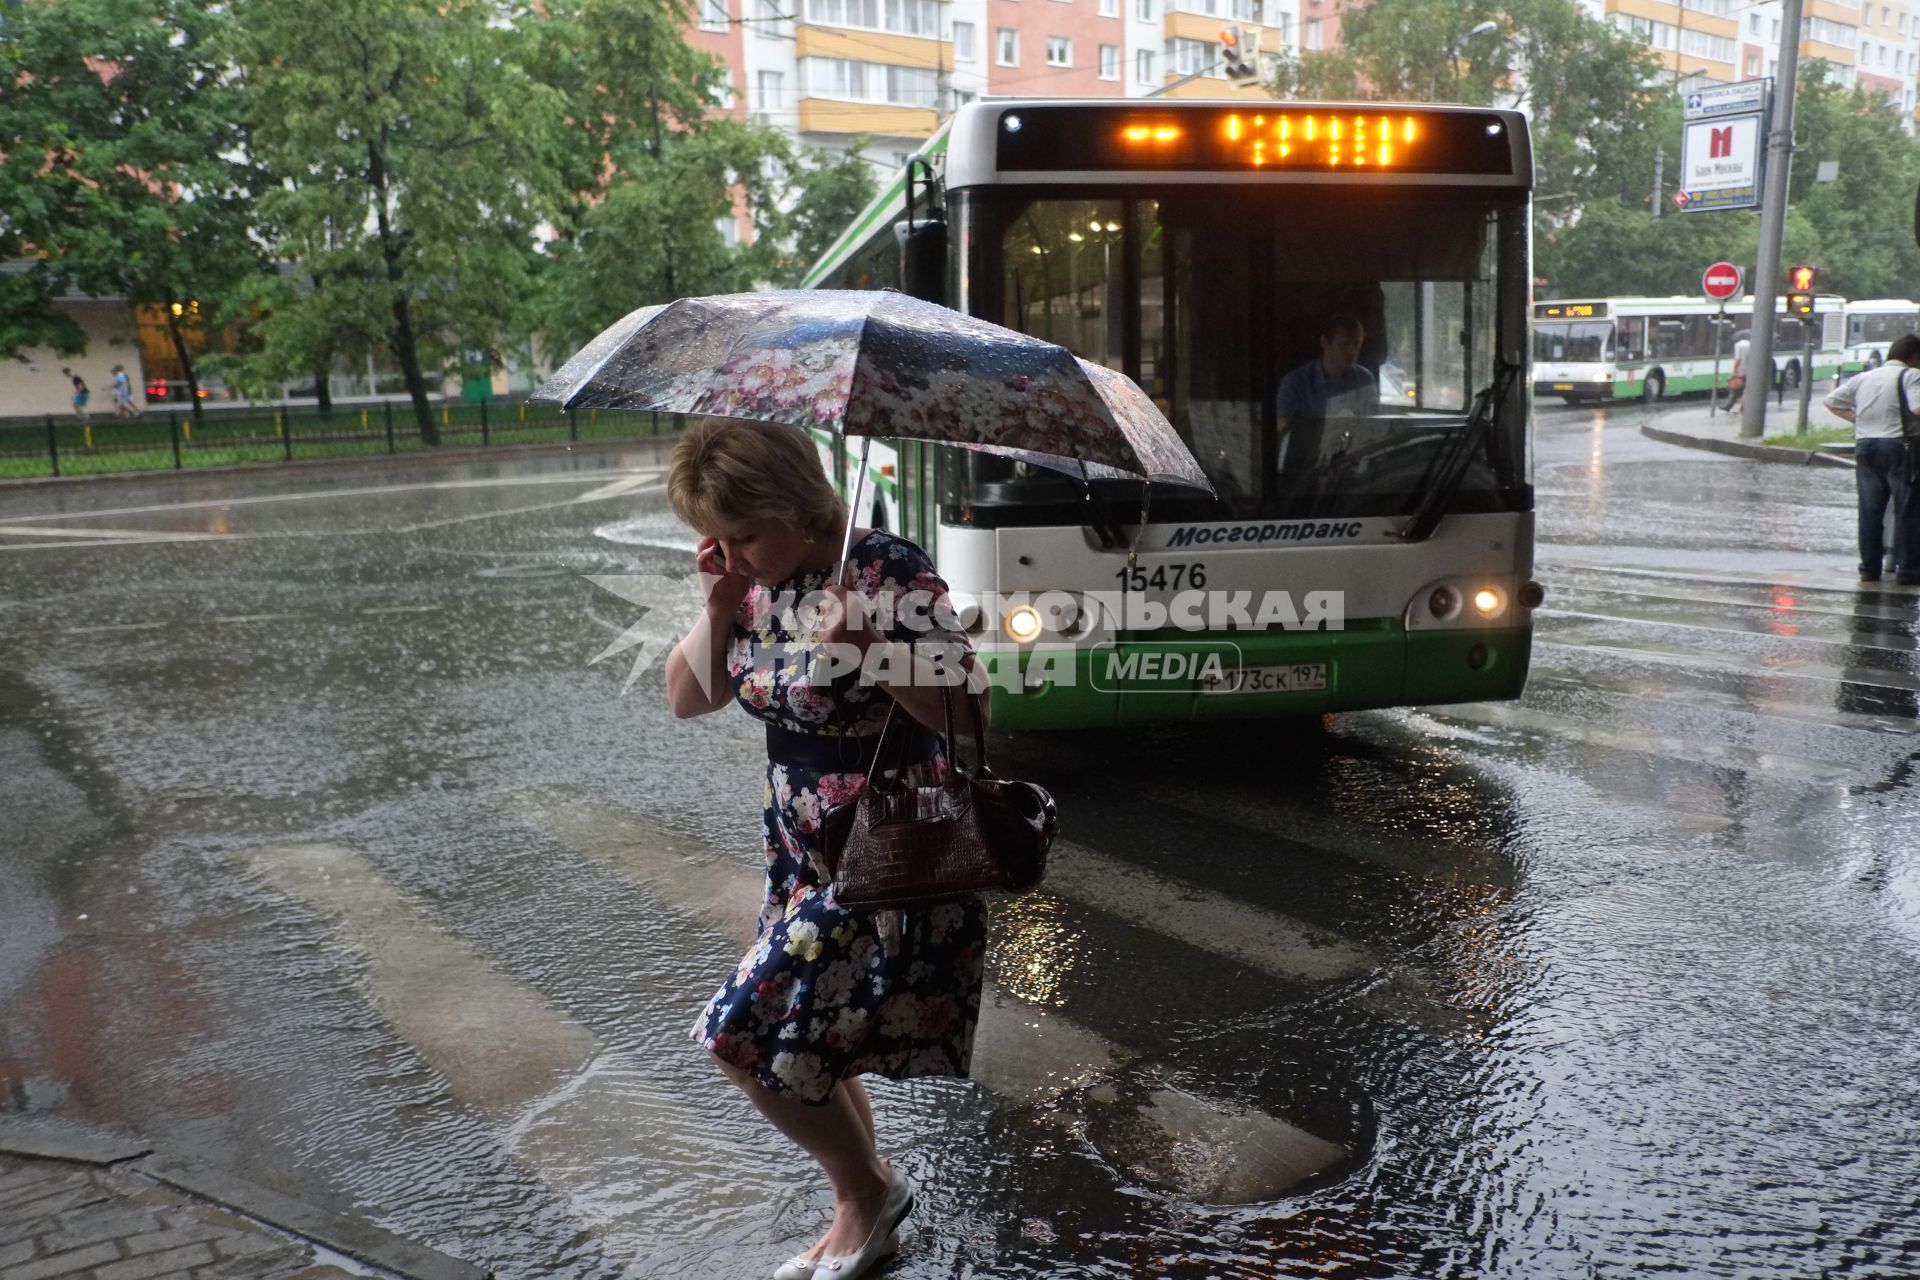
826, 991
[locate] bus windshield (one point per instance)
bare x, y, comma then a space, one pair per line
1570, 341
1211, 297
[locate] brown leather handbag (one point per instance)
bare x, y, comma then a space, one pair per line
898, 845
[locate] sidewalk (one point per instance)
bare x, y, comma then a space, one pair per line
88, 1205
1688, 422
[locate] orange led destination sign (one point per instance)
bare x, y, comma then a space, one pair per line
1311, 138
1569, 310
1286, 139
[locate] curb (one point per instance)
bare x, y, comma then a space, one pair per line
31, 483
358, 1240
1744, 449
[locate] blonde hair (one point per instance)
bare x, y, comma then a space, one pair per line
728, 476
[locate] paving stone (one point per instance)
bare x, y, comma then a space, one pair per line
249, 1246
37, 1188
15, 1174
60, 1201
69, 1263
12, 1255
86, 1227
171, 1238
155, 1265
12, 1229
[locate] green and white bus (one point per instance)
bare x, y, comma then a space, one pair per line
1377, 556
1650, 348
1872, 325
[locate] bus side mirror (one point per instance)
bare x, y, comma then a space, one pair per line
923, 260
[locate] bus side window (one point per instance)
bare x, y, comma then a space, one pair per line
1632, 337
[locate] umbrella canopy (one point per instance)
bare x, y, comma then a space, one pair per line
866, 363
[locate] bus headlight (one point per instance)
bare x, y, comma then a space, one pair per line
1488, 601
1022, 624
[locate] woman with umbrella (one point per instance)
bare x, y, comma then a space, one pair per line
827, 993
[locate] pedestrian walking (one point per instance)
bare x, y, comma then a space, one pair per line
1876, 403
123, 406
826, 994
80, 394
1737, 379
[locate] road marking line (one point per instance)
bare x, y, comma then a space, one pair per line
596, 496
1689, 750
496, 1041
1267, 941
1224, 1154
1433, 861
111, 535
116, 626
491, 482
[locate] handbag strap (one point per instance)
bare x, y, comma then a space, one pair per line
1909, 428
888, 735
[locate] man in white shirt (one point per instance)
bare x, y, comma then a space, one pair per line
1871, 402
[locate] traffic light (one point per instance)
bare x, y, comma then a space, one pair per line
1800, 290
1237, 49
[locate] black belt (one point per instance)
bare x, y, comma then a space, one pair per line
838, 753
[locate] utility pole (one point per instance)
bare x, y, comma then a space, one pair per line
1773, 221
1659, 173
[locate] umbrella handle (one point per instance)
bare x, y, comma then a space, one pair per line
853, 505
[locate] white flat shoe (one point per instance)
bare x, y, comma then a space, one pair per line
799, 1268
884, 1240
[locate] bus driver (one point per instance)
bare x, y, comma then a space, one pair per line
1335, 385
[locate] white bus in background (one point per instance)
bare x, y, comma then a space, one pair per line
1650, 348
1872, 325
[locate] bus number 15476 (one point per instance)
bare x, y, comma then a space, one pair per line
1162, 577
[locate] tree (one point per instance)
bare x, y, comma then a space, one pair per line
412, 157
658, 179
825, 192
1865, 215
118, 142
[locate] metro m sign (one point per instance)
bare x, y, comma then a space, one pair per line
1720, 163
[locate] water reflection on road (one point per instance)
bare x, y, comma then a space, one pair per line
334, 864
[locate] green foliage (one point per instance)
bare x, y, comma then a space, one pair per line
118, 135
1865, 216
825, 191
1600, 106
411, 156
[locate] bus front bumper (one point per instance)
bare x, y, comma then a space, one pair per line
1580, 390
1262, 675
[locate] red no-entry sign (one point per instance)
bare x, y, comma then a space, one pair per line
1721, 281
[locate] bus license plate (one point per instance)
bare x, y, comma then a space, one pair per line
1301, 677
1563, 386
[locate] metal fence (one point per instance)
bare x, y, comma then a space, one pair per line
174, 441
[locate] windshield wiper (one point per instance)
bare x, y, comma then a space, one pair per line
1457, 455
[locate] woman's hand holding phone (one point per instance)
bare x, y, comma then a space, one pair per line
725, 589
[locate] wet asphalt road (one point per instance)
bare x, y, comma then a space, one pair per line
329, 859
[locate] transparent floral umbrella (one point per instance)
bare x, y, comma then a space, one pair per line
866, 363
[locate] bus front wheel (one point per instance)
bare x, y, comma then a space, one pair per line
1654, 387
1793, 375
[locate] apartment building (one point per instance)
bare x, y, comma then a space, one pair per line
1697, 41
1889, 52
829, 71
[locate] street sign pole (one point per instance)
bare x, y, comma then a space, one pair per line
1773, 218
1719, 340
1806, 372
1719, 282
